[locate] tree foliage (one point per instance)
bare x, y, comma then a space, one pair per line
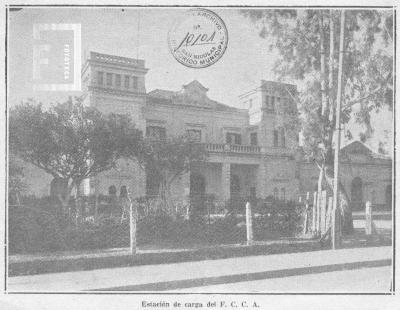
69, 141
166, 160
307, 44
302, 40
16, 180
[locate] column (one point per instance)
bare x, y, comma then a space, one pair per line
139, 180
261, 181
226, 181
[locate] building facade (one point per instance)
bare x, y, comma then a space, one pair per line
252, 150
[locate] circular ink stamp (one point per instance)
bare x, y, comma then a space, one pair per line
198, 39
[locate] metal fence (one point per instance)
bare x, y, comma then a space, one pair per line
103, 222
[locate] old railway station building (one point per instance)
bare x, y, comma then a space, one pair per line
250, 152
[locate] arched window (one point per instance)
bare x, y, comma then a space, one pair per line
152, 183
123, 191
373, 197
283, 193
197, 184
235, 184
112, 190
276, 193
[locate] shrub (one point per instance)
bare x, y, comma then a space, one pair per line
34, 230
42, 227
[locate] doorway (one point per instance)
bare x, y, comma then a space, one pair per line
357, 194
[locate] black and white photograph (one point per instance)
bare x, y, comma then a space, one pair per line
196, 156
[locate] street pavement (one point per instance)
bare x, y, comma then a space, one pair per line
202, 274
364, 280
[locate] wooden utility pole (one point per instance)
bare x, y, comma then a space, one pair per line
132, 224
249, 224
338, 131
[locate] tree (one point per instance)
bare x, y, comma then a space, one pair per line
16, 183
307, 42
69, 141
166, 160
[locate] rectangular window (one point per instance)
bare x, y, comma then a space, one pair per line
118, 80
100, 78
253, 193
283, 194
250, 103
109, 79
276, 138
276, 193
127, 81
156, 133
233, 138
135, 82
266, 102
271, 104
283, 138
194, 135
253, 138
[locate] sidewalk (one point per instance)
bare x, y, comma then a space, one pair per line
30, 264
209, 272
20, 265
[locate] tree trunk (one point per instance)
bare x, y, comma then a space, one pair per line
343, 203
165, 197
168, 199
319, 191
331, 61
324, 101
59, 188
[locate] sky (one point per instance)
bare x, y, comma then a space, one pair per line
143, 33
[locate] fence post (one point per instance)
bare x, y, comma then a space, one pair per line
318, 225
306, 214
249, 224
368, 218
132, 226
314, 213
323, 212
96, 208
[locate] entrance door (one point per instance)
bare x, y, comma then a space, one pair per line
197, 192
235, 186
357, 194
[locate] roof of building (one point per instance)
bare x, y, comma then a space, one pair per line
358, 147
192, 94
118, 60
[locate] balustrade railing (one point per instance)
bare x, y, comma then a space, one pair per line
232, 148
